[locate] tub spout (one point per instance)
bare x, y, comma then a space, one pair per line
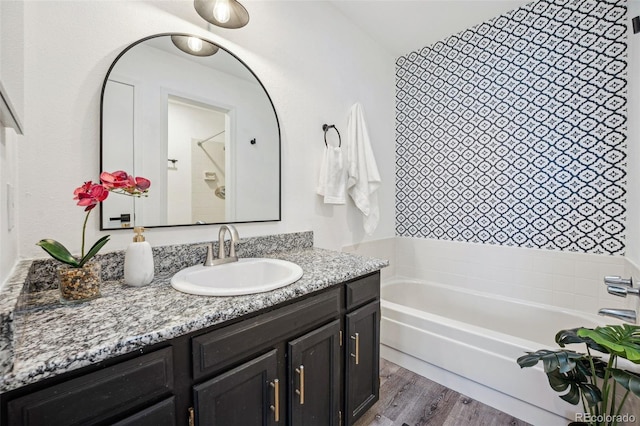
623, 314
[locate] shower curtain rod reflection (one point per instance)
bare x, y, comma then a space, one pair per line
209, 138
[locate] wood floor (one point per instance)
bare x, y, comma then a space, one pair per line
412, 400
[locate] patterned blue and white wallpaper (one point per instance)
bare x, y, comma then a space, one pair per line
513, 132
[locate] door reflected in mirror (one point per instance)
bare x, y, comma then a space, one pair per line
202, 128
197, 135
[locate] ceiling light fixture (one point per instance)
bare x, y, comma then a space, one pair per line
222, 13
194, 45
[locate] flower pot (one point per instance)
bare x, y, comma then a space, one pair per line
79, 284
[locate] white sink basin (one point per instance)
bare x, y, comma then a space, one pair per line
246, 276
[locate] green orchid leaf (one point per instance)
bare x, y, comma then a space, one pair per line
58, 252
94, 250
627, 379
621, 340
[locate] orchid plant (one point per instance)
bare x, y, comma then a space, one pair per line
88, 196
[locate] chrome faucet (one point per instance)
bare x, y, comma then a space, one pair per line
623, 314
234, 239
222, 255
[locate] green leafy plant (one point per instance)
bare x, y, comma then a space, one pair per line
590, 379
89, 195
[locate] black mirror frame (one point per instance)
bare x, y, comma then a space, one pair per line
104, 85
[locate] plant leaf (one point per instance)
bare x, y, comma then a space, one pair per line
567, 337
58, 252
577, 384
621, 340
93, 250
573, 396
570, 370
591, 393
563, 360
627, 379
558, 381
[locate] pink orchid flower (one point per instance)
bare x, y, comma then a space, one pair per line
142, 184
120, 181
90, 194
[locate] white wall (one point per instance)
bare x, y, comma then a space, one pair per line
8, 178
563, 279
11, 78
313, 63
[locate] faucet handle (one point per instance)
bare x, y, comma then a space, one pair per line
209, 260
617, 291
618, 281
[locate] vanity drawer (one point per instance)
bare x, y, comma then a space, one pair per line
97, 396
160, 414
221, 348
362, 290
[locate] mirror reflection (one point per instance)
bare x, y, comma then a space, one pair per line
199, 125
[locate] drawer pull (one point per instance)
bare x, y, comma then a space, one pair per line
192, 417
276, 407
300, 391
356, 337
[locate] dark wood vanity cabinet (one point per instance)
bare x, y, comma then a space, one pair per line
362, 357
314, 377
133, 386
255, 394
314, 361
246, 395
362, 363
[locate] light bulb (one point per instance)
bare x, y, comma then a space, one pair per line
195, 44
222, 11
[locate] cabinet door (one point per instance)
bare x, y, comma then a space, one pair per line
247, 395
362, 363
314, 374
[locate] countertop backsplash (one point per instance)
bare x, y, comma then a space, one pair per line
170, 259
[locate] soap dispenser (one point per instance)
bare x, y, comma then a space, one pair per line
138, 261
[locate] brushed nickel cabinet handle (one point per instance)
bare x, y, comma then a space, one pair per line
356, 337
276, 407
300, 391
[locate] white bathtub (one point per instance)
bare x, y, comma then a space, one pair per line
469, 341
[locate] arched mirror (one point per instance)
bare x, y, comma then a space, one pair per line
194, 119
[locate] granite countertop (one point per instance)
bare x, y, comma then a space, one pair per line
51, 338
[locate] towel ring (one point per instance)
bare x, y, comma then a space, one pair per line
326, 128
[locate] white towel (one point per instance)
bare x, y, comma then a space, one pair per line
333, 176
363, 177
